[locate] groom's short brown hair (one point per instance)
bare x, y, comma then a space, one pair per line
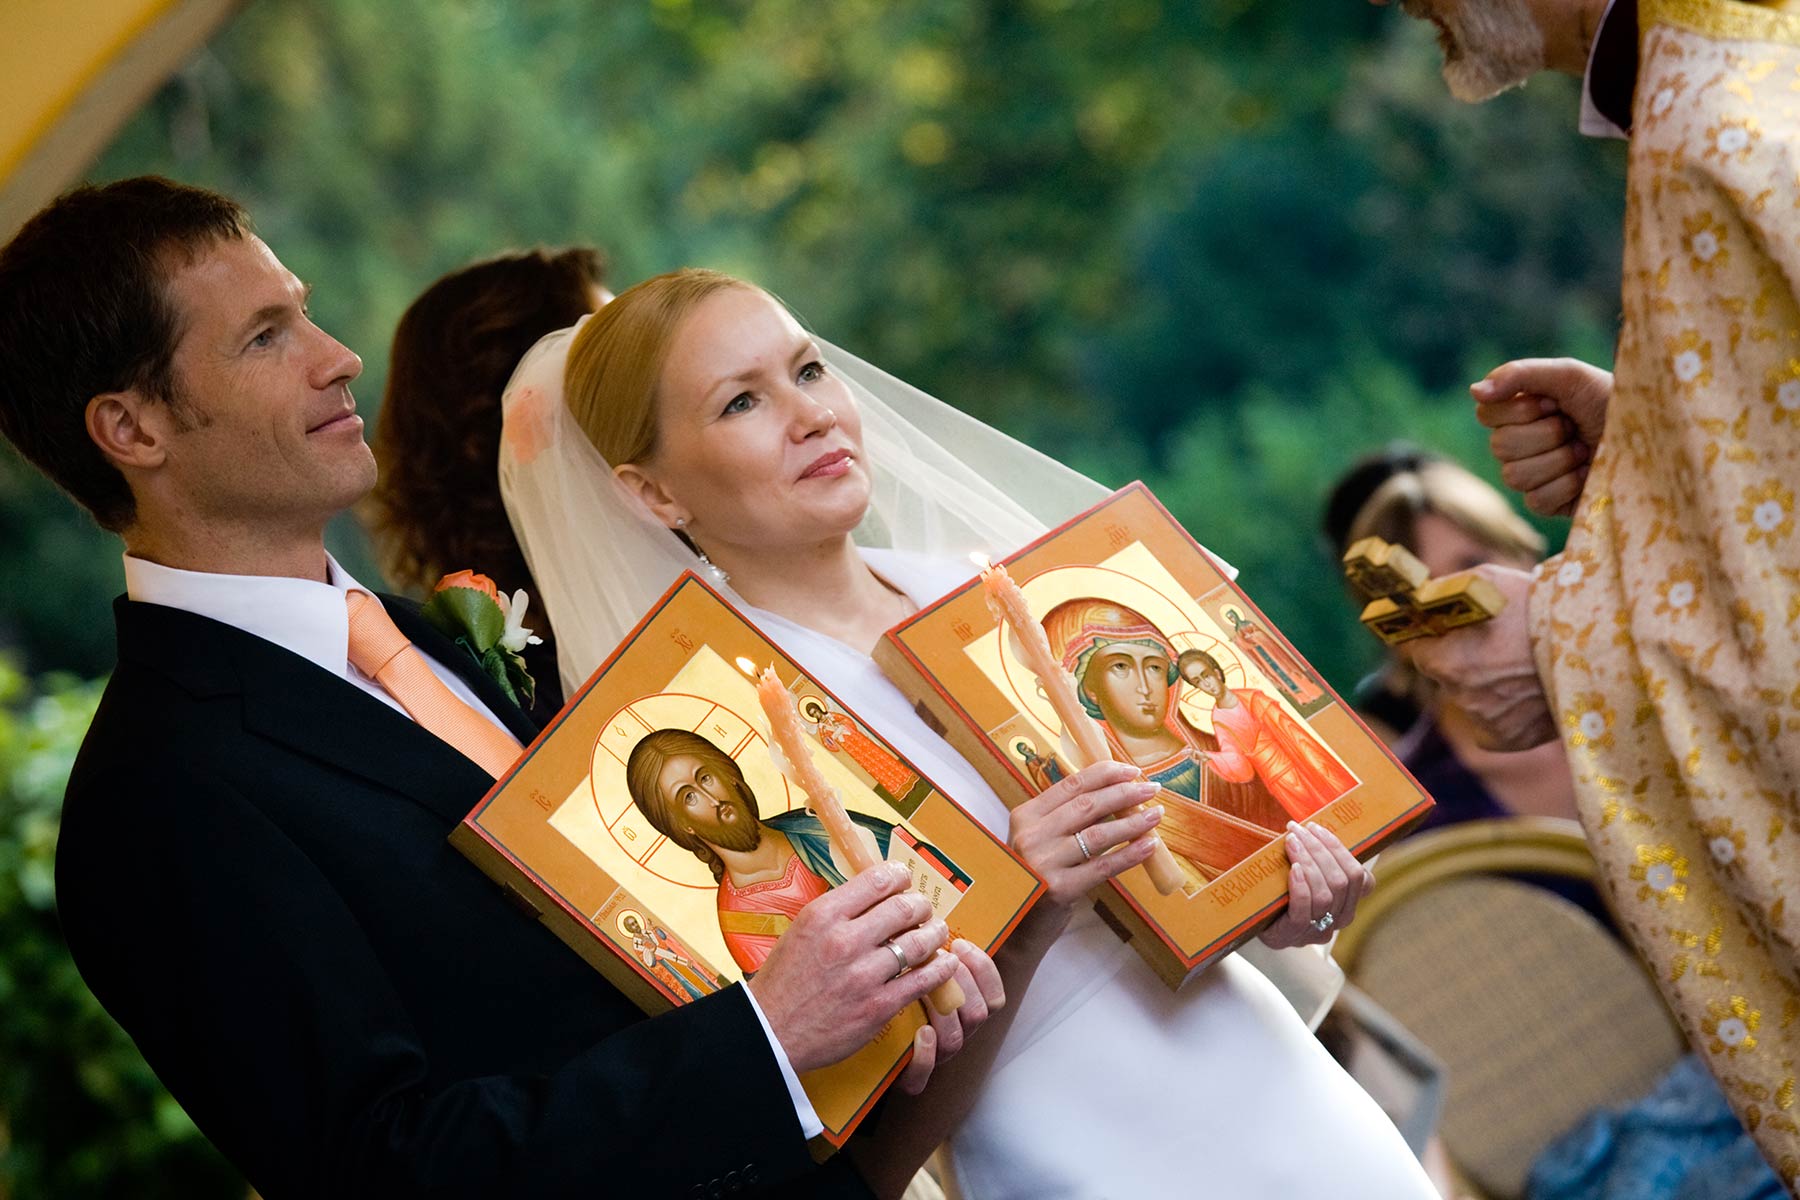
84, 310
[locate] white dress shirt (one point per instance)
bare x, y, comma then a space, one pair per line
312, 620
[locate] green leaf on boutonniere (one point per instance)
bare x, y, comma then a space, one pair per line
461, 612
523, 685
495, 663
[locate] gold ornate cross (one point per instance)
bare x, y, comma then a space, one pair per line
1405, 602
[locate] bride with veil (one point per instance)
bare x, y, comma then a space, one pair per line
694, 424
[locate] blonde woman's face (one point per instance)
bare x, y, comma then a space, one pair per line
1444, 547
758, 444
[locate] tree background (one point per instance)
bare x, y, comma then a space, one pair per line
1221, 246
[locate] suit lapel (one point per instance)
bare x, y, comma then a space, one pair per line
295, 703
334, 721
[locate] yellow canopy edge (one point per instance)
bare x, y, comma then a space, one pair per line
75, 71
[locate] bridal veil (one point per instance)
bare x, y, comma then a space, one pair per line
943, 484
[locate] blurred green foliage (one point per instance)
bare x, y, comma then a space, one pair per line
80, 1114
1222, 246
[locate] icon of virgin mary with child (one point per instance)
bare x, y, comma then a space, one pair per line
1259, 764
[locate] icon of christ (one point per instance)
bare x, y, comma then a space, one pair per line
767, 869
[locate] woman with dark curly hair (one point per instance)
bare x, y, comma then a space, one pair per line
437, 506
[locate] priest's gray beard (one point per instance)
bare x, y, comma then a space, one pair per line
1489, 45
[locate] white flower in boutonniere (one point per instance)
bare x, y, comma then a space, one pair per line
517, 637
471, 609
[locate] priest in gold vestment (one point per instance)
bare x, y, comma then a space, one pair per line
1663, 644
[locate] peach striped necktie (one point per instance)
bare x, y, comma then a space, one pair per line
379, 650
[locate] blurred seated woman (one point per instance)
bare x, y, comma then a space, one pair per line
1452, 520
703, 428
437, 506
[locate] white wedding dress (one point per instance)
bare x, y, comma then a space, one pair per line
1109, 1083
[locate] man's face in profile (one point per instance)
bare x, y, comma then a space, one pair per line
266, 434
1488, 45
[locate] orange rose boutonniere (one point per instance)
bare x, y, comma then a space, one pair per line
489, 625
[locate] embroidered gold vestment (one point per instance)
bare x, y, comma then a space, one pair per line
1668, 631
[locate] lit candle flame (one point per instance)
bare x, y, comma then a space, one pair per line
747, 667
981, 560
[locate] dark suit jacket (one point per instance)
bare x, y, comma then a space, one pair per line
254, 879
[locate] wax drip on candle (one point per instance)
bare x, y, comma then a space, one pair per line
780, 759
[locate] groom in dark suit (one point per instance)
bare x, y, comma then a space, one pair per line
253, 874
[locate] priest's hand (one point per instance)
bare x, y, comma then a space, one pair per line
1487, 670
833, 980
1071, 835
1547, 417
1325, 883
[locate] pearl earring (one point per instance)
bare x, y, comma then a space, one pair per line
719, 574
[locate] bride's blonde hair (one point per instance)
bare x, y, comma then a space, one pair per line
616, 360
